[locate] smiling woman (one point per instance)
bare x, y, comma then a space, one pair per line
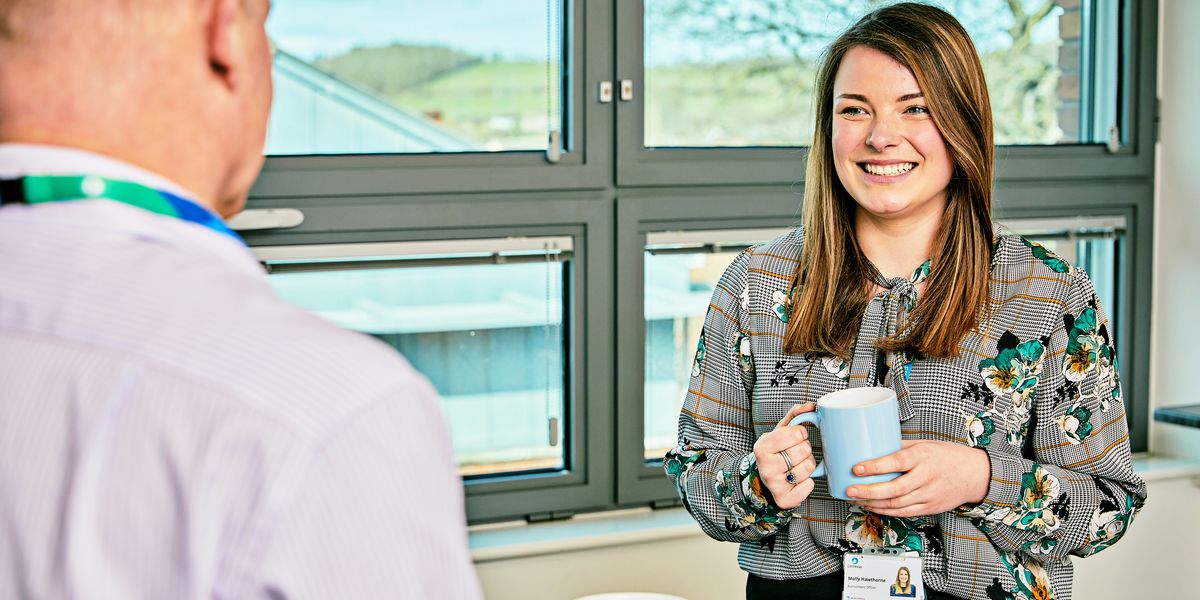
998, 351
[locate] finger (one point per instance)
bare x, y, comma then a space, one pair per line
896, 462
795, 495
900, 486
805, 467
780, 439
800, 452
796, 409
895, 503
912, 510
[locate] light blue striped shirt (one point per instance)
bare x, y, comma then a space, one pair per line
171, 429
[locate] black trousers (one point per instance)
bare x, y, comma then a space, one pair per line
825, 587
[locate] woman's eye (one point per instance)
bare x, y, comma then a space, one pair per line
852, 111
918, 110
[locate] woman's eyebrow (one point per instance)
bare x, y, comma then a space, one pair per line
862, 98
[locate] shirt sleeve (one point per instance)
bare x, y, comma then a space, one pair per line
379, 512
1074, 490
713, 465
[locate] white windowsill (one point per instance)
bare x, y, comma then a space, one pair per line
517, 539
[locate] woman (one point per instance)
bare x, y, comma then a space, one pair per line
1016, 451
903, 586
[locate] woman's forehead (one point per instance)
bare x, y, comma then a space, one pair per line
867, 71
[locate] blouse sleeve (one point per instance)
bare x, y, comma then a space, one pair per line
1074, 490
713, 465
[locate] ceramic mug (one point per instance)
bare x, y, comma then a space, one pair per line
857, 424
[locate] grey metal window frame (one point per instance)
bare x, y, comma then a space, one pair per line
585, 162
587, 481
656, 192
640, 166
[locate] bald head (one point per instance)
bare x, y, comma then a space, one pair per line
180, 87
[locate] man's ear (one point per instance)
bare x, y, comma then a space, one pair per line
225, 44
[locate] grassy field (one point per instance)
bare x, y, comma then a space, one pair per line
502, 105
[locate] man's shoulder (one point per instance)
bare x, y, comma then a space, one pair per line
282, 358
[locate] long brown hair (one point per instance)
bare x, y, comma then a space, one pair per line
833, 274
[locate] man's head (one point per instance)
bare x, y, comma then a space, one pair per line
179, 87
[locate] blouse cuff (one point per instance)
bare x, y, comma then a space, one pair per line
1004, 488
748, 500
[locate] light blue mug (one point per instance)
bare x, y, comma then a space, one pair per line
856, 424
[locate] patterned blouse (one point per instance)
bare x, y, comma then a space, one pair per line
1035, 385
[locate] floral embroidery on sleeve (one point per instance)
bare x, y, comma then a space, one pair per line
1082, 345
758, 509
678, 463
1076, 424
1013, 374
783, 304
696, 362
745, 358
1043, 506
979, 427
1031, 579
1051, 259
1110, 520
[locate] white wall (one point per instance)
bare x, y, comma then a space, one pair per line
1156, 560
1176, 328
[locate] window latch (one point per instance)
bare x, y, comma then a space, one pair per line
1114, 139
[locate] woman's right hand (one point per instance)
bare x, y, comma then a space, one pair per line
773, 468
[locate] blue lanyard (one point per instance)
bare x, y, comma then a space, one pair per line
59, 188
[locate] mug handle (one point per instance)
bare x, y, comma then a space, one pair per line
811, 418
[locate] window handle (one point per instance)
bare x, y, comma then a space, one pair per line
626, 90
266, 218
604, 92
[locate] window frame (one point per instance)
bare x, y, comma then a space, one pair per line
640, 166
584, 162
586, 216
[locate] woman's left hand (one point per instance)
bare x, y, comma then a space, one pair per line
936, 477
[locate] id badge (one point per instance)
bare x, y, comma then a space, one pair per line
881, 574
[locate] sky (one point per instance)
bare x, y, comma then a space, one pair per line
512, 29
515, 30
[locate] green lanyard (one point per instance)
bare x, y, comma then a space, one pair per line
41, 189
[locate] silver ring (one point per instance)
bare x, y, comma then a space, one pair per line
787, 461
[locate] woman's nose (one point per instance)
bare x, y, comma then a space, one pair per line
884, 134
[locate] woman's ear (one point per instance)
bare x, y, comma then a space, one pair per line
222, 37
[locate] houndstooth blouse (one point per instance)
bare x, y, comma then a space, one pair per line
1035, 385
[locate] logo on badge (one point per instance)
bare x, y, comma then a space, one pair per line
854, 560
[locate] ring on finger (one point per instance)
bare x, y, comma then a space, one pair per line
791, 477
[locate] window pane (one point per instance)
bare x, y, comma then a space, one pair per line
681, 272
488, 336
388, 76
735, 74
1094, 244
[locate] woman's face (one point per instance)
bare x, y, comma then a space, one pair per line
887, 151
903, 578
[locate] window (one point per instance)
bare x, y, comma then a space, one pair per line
682, 270
740, 74
482, 319
1094, 244
415, 147
377, 77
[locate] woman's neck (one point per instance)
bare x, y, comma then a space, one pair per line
896, 247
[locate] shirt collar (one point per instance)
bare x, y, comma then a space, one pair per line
17, 160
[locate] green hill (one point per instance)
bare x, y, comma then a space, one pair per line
392, 69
